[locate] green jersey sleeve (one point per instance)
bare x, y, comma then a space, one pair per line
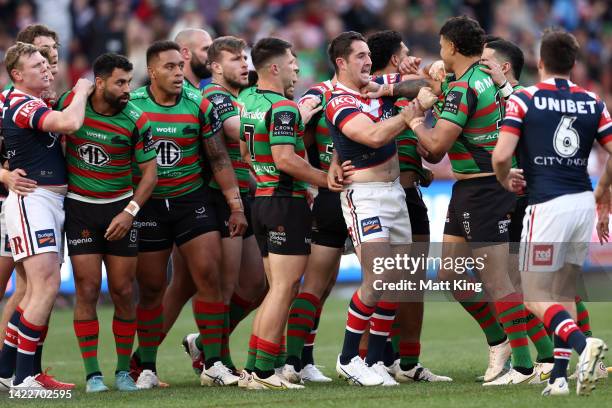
142, 140
209, 119
459, 104
284, 123
223, 103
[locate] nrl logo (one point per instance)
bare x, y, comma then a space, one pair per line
285, 118
217, 99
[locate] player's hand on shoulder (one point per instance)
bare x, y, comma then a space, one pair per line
494, 70
84, 85
17, 182
374, 90
237, 224
119, 226
308, 108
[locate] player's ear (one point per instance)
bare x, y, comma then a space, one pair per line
395, 60
274, 69
151, 72
185, 53
16, 75
99, 82
215, 67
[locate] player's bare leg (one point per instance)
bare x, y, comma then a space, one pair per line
6, 270
180, 289
12, 302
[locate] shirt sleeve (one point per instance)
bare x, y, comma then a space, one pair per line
209, 119
144, 146
284, 123
316, 92
515, 113
223, 104
386, 79
31, 114
341, 109
604, 128
456, 107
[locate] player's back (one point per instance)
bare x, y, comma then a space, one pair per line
557, 122
320, 153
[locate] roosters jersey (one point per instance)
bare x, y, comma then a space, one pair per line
28, 147
557, 123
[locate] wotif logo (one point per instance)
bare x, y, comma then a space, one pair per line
167, 129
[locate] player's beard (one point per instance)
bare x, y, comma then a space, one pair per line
115, 101
199, 69
234, 83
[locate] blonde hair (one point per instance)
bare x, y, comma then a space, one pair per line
14, 53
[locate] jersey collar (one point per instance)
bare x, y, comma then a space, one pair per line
552, 81
344, 88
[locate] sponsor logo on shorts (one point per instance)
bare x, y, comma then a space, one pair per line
201, 212
503, 226
466, 215
133, 235
370, 226
45, 238
543, 255
279, 236
466, 227
148, 224
84, 239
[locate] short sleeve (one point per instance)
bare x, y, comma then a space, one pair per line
515, 113
31, 114
144, 146
209, 119
223, 104
604, 128
341, 109
455, 108
284, 123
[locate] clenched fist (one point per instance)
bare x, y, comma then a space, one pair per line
426, 98
437, 72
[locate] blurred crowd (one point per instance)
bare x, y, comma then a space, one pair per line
87, 28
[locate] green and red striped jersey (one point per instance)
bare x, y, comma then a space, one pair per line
409, 159
266, 119
178, 131
226, 106
323, 140
474, 103
101, 154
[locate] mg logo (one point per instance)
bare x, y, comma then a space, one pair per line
168, 153
93, 154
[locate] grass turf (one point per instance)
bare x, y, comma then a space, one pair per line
452, 344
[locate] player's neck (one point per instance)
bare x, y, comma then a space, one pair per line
192, 78
265, 84
348, 83
462, 64
544, 76
220, 80
102, 107
162, 98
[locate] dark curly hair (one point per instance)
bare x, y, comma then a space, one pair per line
466, 34
383, 45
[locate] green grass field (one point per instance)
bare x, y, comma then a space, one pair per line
452, 344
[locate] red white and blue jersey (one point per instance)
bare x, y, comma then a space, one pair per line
344, 104
557, 123
27, 146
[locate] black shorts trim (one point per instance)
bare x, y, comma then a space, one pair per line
328, 225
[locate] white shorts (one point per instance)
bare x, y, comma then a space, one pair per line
5, 243
376, 210
557, 232
35, 223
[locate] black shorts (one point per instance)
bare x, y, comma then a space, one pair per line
282, 225
417, 210
480, 210
177, 220
516, 223
86, 224
328, 226
223, 211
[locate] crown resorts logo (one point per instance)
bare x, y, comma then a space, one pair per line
217, 99
285, 118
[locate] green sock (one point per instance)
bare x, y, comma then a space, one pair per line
281, 357
267, 353
149, 329
124, 332
395, 337
301, 320
210, 318
584, 322
252, 354
87, 335
512, 315
239, 309
226, 357
537, 333
481, 312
